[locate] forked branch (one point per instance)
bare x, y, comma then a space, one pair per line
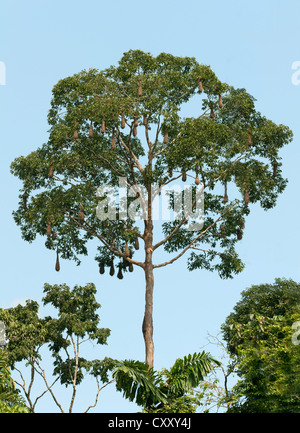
192, 243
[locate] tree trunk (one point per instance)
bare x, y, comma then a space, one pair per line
148, 239
148, 317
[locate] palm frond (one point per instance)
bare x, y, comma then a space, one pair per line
188, 372
138, 383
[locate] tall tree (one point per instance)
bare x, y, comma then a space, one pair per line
126, 122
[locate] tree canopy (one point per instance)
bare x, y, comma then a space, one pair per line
77, 322
126, 122
259, 336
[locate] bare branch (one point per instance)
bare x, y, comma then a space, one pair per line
49, 388
74, 378
129, 151
46, 390
98, 392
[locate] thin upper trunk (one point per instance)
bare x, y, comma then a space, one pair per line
148, 239
148, 317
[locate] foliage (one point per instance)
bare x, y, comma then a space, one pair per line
77, 321
259, 338
138, 383
10, 399
167, 390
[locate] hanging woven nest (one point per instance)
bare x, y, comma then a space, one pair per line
183, 175
200, 85
81, 214
112, 269
48, 231
123, 120
220, 102
91, 131
225, 199
145, 120
246, 196
120, 274
239, 234
166, 137
140, 91
76, 131
136, 243
197, 180
113, 141
103, 128
57, 264
130, 267
249, 139
249, 136
101, 269
51, 172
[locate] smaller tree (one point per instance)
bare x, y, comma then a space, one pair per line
259, 338
10, 399
214, 392
77, 322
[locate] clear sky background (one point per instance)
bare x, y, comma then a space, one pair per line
248, 44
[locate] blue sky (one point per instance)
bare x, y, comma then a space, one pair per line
247, 44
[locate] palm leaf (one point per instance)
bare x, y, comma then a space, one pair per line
187, 373
138, 383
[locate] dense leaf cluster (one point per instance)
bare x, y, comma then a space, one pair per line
259, 338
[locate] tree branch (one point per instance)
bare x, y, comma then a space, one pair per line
98, 392
183, 221
113, 250
193, 241
74, 378
130, 152
43, 375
